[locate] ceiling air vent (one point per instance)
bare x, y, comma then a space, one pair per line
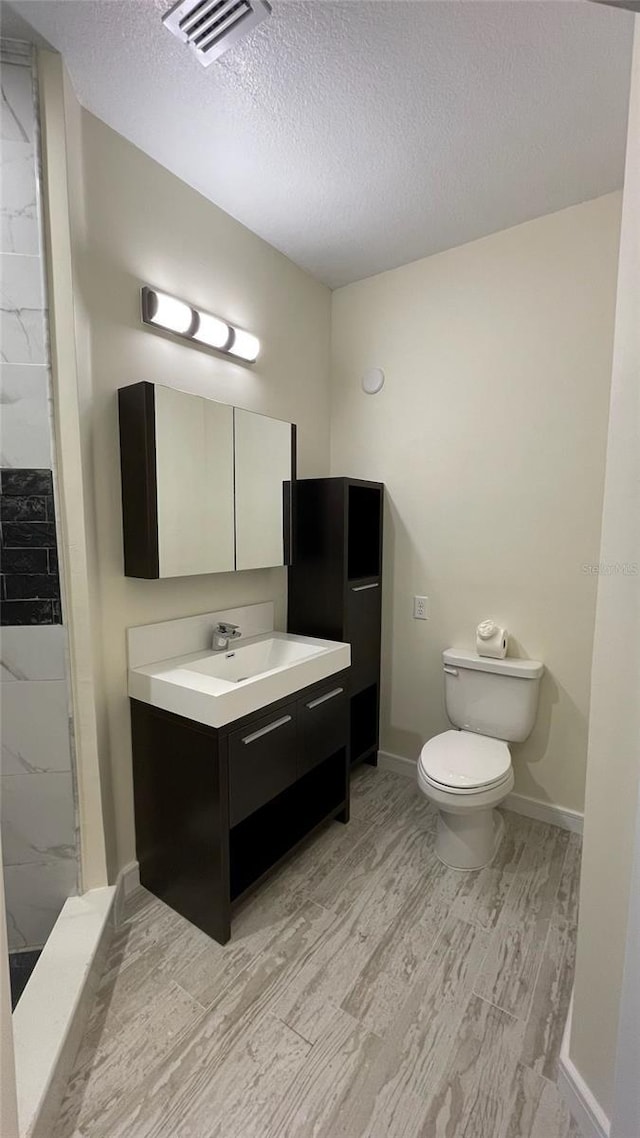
209, 27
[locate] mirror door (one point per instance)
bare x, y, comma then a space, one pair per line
206, 488
194, 472
264, 469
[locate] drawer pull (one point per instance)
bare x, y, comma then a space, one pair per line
265, 730
361, 588
324, 698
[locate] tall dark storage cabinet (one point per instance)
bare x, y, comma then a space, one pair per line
335, 587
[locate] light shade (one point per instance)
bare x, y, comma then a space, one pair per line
175, 315
167, 311
212, 331
244, 345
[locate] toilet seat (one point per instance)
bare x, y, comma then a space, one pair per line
463, 762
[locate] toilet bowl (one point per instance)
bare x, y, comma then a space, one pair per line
466, 780
466, 773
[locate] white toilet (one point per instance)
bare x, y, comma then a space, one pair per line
467, 773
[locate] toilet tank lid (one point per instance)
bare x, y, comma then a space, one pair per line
510, 666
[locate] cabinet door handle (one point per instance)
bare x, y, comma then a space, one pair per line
324, 698
361, 588
265, 730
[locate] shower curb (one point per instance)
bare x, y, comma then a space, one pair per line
50, 1018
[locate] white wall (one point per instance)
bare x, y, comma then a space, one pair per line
60, 121
490, 436
613, 770
134, 223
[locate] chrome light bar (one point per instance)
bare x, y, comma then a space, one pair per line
162, 310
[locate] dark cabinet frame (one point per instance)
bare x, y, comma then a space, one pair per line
137, 427
217, 809
335, 587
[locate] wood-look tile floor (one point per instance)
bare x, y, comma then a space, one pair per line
367, 992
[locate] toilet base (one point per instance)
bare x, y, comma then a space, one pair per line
468, 840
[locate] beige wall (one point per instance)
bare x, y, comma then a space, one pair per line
134, 223
490, 436
60, 126
614, 728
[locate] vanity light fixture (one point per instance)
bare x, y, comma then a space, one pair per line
167, 312
244, 345
175, 315
212, 331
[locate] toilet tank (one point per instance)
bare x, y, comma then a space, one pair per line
493, 697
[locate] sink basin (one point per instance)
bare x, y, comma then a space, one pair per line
216, 688
249, 660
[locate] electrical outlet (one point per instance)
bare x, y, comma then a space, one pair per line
420, 608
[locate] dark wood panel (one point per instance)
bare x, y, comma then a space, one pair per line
364, 710
363, 631
182, 819
139, 484
316, 577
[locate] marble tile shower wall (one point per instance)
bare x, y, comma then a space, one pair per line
39, 841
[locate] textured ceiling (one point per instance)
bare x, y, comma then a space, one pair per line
358, 136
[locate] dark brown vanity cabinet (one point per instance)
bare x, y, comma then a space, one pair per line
335, 586
216, 809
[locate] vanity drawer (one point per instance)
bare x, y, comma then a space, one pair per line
262, 762
323, 720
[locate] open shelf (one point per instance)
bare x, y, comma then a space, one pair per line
263, 839
370, 757
363, 552
363, 710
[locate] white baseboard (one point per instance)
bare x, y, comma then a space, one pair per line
397, 763
130, 877
583, 1107
519, 803
545, 812
127, 881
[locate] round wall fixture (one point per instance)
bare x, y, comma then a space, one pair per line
373, 380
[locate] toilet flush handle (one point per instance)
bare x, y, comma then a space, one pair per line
451, 671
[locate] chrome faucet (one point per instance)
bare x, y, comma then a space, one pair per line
222, 634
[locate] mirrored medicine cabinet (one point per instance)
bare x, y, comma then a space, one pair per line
206, 488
